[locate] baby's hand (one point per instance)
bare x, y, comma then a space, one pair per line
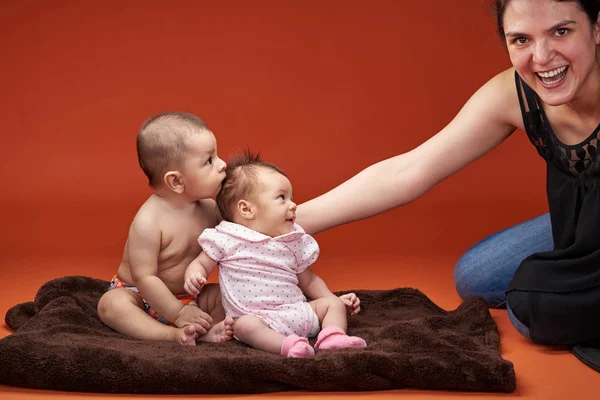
194, 283
192, 315
352, 303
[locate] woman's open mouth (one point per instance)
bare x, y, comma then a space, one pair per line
554, 77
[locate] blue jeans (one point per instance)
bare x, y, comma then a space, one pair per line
487, 268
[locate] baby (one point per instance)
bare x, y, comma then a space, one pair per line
146, 298
264, 260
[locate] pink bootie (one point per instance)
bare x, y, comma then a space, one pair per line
296, 347
333, 337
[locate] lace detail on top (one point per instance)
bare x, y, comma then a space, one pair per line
580, 160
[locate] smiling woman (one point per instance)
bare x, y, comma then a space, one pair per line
557, 44
545, 270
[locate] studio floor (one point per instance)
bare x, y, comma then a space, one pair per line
542, 372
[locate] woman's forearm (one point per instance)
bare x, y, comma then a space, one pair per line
378, 188
488, 118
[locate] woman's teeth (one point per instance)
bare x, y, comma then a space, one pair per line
554, 76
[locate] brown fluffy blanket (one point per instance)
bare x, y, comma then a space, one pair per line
59, 343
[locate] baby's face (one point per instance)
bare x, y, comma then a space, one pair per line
202, 170
275, 209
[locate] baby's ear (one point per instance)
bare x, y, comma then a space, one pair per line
245, 209
174, 182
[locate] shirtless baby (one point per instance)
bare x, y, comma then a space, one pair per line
146, 298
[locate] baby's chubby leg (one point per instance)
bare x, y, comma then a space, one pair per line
123, 310
332, 314
253, 331
209, 300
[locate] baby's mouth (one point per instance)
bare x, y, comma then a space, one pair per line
553, 77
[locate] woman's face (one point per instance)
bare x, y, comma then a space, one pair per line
552, 45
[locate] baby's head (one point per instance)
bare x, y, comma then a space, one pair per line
178, 153
258, 195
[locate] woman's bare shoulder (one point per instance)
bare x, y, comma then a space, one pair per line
499, 95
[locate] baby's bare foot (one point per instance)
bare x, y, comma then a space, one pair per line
221, 332
186, 335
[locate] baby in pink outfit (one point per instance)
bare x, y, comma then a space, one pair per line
264, 260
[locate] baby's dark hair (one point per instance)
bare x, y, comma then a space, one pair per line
161, 142
590, 7
241, 180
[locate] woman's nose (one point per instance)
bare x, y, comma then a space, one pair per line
543, 52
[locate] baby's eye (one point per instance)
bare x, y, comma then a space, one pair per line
281, 196
209, 161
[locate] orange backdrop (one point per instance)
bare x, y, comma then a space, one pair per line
322, 88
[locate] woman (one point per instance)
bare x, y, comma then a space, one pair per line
547, 270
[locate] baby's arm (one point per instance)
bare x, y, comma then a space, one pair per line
144, 246
197, 272
314, 287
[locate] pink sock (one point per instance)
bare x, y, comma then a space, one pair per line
296, 347
333, 337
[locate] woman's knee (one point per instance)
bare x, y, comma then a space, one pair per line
487, 268
474, 276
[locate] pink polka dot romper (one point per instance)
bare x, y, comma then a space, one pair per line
258, 274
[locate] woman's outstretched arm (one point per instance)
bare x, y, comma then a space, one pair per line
486, 120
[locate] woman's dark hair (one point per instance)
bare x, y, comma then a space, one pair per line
590, 7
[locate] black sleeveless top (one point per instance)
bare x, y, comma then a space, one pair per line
557, 293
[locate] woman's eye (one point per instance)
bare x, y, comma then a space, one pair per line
562, 31
520, 40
